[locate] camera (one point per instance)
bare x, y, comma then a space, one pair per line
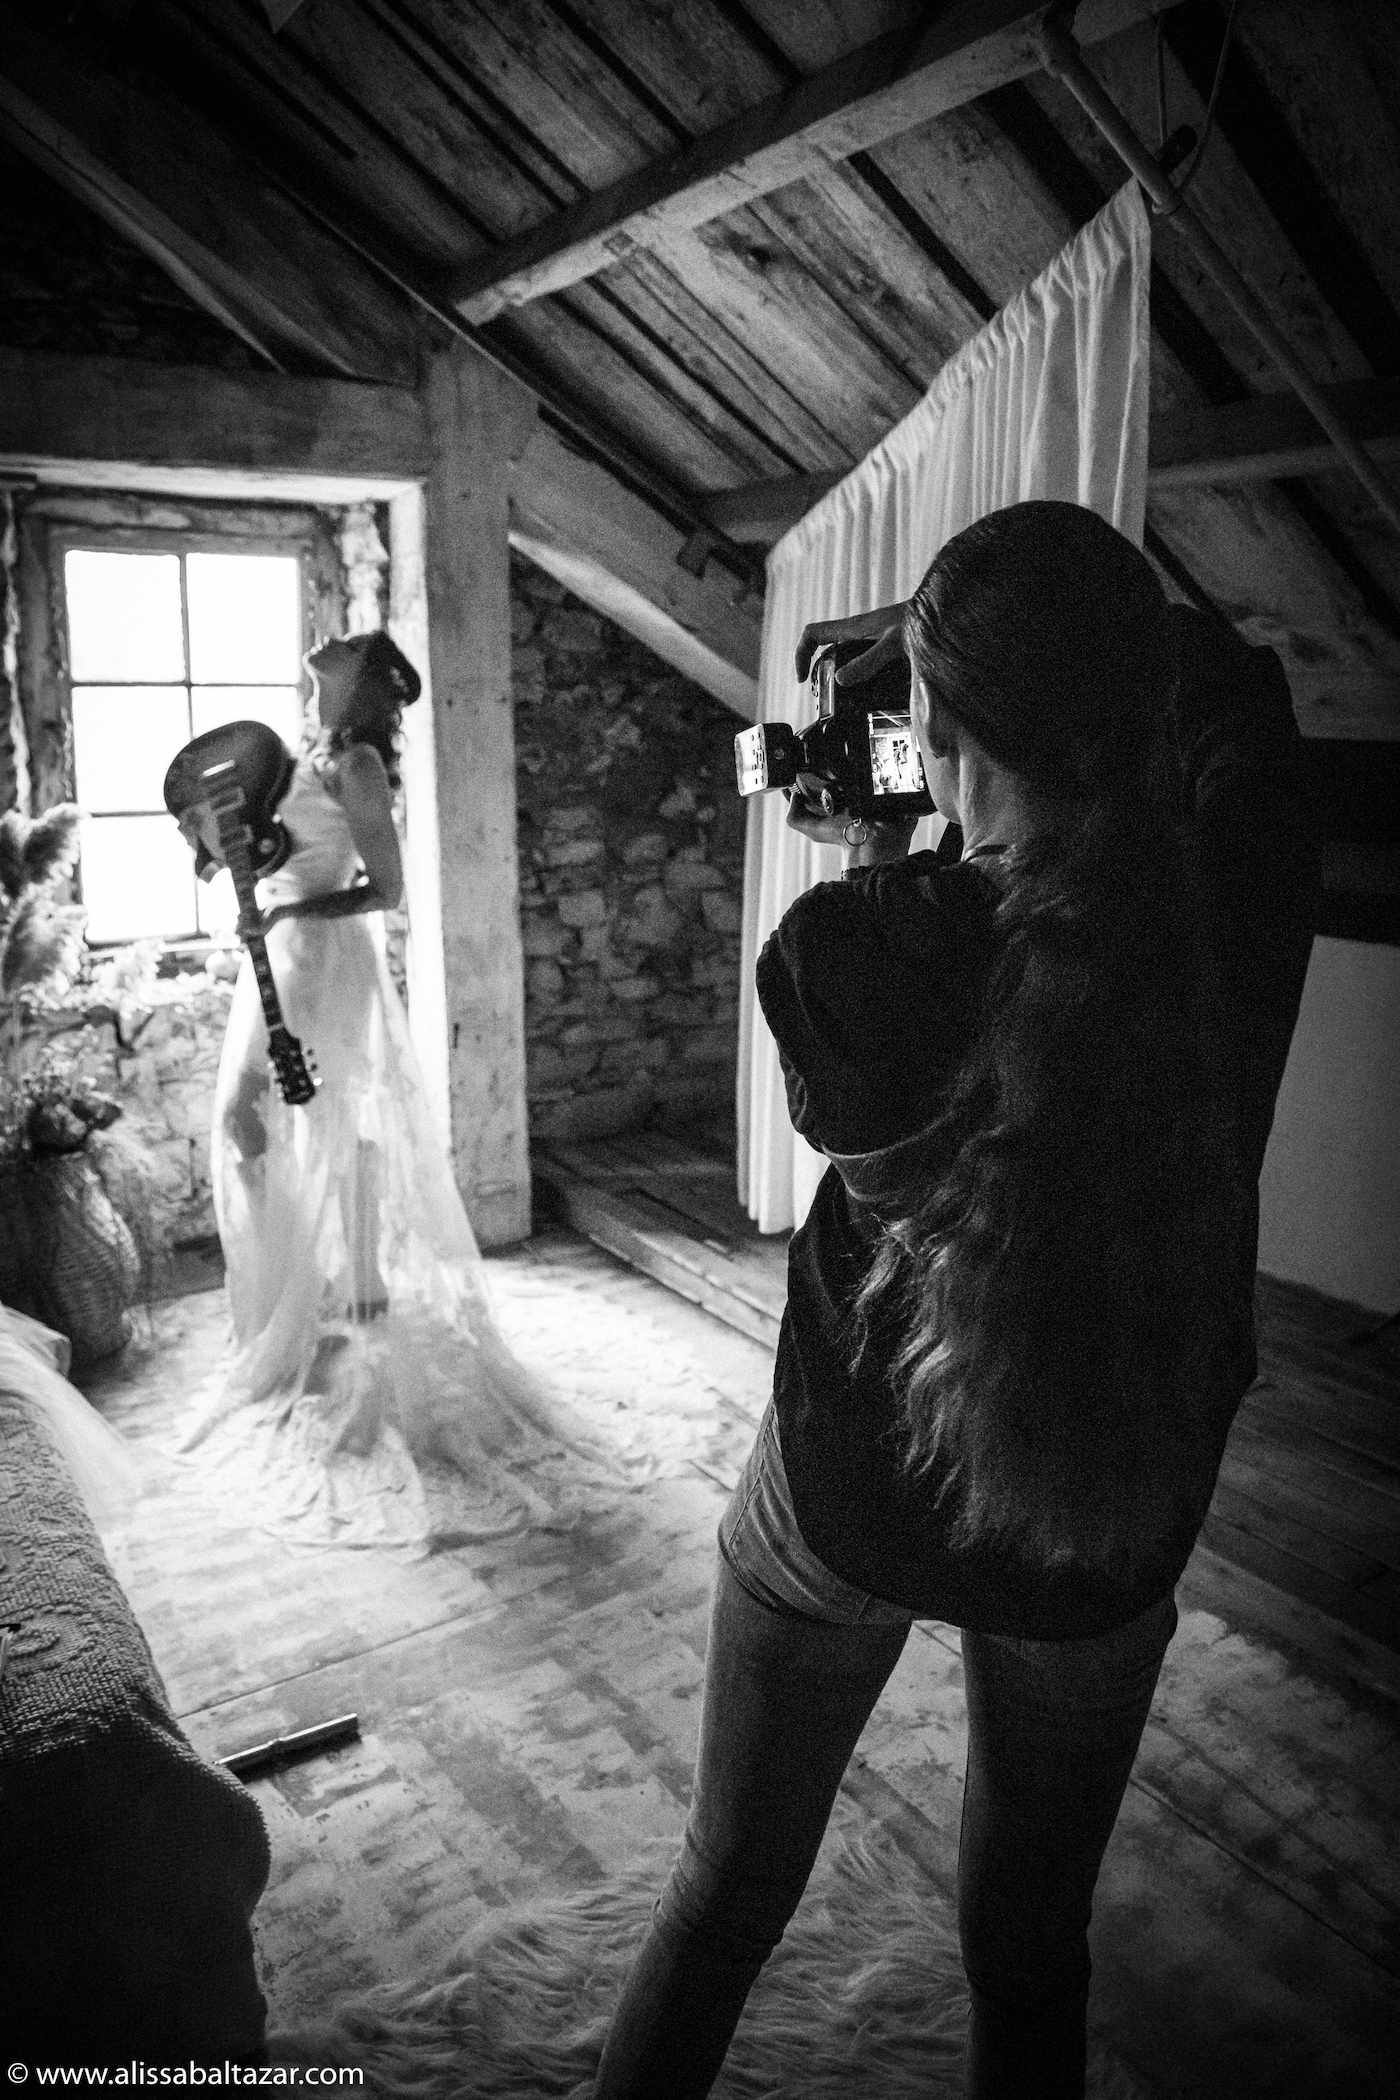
860, 755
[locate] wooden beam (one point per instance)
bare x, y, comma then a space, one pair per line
265, 430
763, 511
885, 87
568, 502
582, 573
184, 430
1269, 438
170, 182
479, 423
1359, 706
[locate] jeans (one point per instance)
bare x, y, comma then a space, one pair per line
796, 1660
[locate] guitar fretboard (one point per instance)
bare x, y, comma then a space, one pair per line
235, 840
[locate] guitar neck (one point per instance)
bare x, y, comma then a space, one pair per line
234, 839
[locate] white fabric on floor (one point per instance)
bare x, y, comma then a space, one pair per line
1049, 400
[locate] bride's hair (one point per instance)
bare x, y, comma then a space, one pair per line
386, 680
1045, 1291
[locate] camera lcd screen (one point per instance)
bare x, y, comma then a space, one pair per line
751, 760
895, 765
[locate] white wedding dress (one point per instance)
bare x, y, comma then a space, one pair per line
33, 1372
372, 1397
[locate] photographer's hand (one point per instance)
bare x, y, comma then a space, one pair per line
882, 627
881, 842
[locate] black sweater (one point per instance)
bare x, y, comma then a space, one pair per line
872, 988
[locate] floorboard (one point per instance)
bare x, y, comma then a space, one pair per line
669, 1209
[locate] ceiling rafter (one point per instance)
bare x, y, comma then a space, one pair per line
621, 71
912, 222
609, 297
788, 75
201, 33
168, 180
759, 40
266, 77
583, 424
499, 125
890, 85
247, 281
578, 425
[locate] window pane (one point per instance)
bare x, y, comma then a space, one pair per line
123, 615
137, 878
217, 904
245, 618
124, 737
277, 705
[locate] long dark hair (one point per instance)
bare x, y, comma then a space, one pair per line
387, 680
1050, 1287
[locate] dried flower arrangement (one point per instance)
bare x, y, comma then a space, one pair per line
76, 1239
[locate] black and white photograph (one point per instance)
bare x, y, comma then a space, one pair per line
700, 1048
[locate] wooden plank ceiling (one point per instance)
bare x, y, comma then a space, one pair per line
317, 183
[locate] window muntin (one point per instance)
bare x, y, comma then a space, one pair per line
163, 645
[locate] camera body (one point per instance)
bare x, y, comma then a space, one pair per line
860, 755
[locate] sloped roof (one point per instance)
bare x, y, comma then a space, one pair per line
367, 159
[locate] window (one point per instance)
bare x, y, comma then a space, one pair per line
163, 644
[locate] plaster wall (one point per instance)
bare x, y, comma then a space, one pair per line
1330, 1190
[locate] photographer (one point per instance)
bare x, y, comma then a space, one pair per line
1019, 1316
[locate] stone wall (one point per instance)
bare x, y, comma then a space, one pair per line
631, 875
164, 1077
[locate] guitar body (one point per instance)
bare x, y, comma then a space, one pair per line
252, 758
242, 770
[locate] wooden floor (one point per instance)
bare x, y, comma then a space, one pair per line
529, 1709
1309, 1494
668, 1206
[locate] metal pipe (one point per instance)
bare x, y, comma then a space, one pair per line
284, 1749
1060, 55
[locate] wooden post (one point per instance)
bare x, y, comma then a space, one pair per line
451, 574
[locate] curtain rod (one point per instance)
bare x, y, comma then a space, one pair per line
1060, 55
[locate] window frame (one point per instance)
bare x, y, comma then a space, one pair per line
58, 523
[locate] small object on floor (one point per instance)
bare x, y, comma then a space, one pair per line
286, 1749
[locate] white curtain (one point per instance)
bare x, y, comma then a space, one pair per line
1049, 400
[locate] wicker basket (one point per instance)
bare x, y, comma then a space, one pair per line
83, 1266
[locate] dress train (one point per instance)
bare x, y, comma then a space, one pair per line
372, 1397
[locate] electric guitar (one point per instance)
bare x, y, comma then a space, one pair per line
242, 770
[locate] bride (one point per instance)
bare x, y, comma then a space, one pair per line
372, 1396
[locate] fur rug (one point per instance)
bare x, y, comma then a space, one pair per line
864, 2000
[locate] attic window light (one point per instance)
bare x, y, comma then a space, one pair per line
162, 646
